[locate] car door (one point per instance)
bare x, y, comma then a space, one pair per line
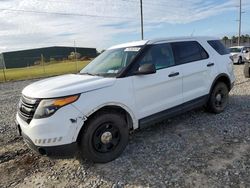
194, 63
161, 90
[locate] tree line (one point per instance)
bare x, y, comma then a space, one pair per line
243, 38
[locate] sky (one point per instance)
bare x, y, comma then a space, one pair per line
26, 24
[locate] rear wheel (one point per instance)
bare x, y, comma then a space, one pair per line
218, 99
104, 138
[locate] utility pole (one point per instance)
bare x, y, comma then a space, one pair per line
2, 64
75, 57
239, 24
42, 61
142, 35
4, 76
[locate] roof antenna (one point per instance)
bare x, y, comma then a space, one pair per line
192, 32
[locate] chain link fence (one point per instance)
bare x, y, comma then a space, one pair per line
38, 67
233, 42
2, 67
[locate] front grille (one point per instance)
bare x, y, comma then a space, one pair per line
27, 107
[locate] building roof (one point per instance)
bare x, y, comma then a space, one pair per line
48, 48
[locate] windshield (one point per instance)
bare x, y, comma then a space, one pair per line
111, 62
235, 49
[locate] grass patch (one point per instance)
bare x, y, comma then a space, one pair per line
39, 71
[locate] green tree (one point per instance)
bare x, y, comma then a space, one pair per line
243, 38
225, 39
247, 38
234, 39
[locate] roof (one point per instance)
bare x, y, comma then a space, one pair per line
129, 44
159, 40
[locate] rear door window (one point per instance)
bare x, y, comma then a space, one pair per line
188, 51
218, 46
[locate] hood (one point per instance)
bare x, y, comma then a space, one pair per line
235, 53
69, 84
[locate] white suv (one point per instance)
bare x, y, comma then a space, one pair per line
239, 53
125, 88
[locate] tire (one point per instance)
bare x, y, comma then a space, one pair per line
240, 60
218, 98
247, 70
104, 138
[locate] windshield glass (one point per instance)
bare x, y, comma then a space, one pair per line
235, 49
111, 62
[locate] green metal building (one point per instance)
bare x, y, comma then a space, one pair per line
24, 58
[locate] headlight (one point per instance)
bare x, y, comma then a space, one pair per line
48, 107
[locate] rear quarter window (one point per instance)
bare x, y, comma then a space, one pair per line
218, 47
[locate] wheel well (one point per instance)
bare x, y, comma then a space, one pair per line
223, 79
111, 108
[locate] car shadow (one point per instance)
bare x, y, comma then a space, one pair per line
175, 150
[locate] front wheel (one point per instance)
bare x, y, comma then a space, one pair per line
240, 60
104, 138
218, 99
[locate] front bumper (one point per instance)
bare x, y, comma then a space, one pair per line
62, 150
235, 59
54, 134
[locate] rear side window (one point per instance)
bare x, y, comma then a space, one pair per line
218, 46
188, 51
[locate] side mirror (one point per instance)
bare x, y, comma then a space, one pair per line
245, 51
146, 69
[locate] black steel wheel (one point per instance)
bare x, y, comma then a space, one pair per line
218, 99
104, 138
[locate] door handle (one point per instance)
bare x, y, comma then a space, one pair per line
173, 74
210, 64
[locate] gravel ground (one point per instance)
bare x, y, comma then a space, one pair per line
196, 149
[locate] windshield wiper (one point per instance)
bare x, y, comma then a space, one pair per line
88, 73
91, 74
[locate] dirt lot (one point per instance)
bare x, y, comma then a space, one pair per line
196, 149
